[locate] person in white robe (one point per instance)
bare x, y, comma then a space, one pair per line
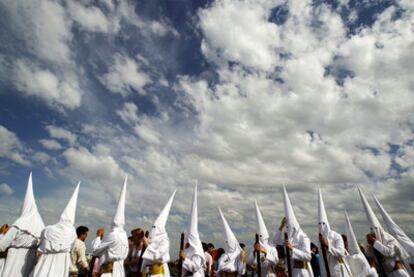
400, 235
231, 263
3, 230
23, 237
193, 255
112, 249
268, 253
333, 243
298, 242
157, 253
356, 260
391, 254
56, 242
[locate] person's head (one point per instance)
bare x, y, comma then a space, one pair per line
82, 232
314, 248
345, 239
210, 247
242, 246
205, 247
137, 235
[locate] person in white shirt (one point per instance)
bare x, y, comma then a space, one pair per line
113, 248
79, 265
22, 239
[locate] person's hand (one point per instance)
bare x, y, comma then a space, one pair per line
182, 255
282, 224
288, 244
371, 238
4, 228
260, 248
100, 232
324, 241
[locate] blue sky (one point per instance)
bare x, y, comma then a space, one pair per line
243, 96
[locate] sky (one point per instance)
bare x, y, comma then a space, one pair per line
244, 96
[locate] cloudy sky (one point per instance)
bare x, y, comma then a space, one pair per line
244, 96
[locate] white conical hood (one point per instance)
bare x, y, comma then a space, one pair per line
158, 232
324, 227
372, 219
395, 230
119, 218
193, 237
30, 219
353, 247
261, 227
70, 210
231, 240
292, 225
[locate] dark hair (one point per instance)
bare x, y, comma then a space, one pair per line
205, 247
140, 232
220, 252
242, 245
81, 230
130, 238
210, 245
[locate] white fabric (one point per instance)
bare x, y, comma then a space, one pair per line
357, 262
21, 254
2, 261
193, 264
299, 240
158, 249
30, 220
386, 244
396, 231
193, 239
119, 218
301, 251
261, 229
336, 249
267, 262
230, 260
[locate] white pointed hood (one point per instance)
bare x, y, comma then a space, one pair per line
373, 221
232, 245
193, 237
62, 234
261, 229
323, 223
395, 230
30, 220
353, 247
119, 218
158, 228
292, 226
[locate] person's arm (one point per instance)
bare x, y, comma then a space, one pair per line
81, 252
194, 264
7, 239
271, 255
388, 250
302, 251
251, 259
99, 247
336, 248
156, 254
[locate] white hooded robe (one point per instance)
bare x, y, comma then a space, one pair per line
56, 243
114, 246
300, 241
22, 239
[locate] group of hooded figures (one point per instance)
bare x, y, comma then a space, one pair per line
35, 250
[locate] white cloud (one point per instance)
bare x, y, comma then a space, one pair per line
41, 157
50, 144
124, 75
61, 133
11, 147
128, 113
5, 189
55, 91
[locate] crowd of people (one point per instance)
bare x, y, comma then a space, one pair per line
28, 248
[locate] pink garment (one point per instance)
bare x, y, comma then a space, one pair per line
96, 266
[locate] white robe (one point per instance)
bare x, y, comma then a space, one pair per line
268, 262
193, 265
2, 261
391, 253
157, 252
227, 263
113, 247
359, 266
21, 255
301, 251
336, 250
